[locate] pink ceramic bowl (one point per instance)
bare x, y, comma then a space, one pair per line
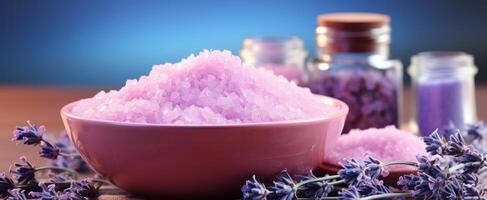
196, 161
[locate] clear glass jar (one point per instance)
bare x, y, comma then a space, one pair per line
284, 55
352, 65
443, 90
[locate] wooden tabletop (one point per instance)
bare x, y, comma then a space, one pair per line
41, 105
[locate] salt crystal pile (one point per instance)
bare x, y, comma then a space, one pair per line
213, 87
385, 144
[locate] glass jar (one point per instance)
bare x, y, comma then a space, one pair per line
443, 90
284, 55
352, 65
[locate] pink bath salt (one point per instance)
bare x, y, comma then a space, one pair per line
385, 144
213, 87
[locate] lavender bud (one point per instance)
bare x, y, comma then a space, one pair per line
16, 194
29, 135
352, 172
254, 190
48, 151
24, 172
6, 184
434, 143
84, 188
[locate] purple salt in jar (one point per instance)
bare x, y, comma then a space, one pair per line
352, 65
443, 83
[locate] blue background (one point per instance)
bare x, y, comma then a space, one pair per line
103, 43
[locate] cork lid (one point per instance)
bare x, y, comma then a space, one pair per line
353, 21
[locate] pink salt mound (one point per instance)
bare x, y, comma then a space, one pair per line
385, 144
213, 87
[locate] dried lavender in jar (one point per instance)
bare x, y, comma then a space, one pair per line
352, 65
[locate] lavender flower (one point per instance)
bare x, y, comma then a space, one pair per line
372, 187
477, 131
349, 194
435, 144
428, 187
29, 135
430, 165
17, 194
373, 167
254, 190
83, 188
24, 172
456, 145
352, 172
408, 182
283, 188
452, 190
49, 193
473, 161
281, 191
74, 161
6, 184
48, 151
473, 192
317, 189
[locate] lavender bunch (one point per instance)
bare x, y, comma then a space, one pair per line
450, 171
23, 183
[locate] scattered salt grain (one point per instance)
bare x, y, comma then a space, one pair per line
385, 144
213, 87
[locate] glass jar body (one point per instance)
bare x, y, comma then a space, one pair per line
370, 87
283, 55
443, 91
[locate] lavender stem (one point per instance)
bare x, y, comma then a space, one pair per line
73, 173
414, 164
325, 178
387, 195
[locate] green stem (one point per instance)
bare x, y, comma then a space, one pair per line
387, 195
325, 178
68, 154
323, 198
455, 168
73, 173
414, 164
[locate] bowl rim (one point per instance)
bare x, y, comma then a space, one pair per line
343, 111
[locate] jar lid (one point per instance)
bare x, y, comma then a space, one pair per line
353, 21
441, 62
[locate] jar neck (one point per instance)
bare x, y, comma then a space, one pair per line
334, 45
273, 50
442, 65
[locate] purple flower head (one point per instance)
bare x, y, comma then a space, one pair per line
456, 145
75, 162
30, 134
469, 178
281, 191
49, 193
372, 187
408, 182
317, 190
352, 172
84, 188
430, 165
473, 161
452, 190
349, 194
477, 131
23, 172
282, 188
435, 144
373, 167
254, 190
428, 187
473, 192
16, 194
48, 151
6, 184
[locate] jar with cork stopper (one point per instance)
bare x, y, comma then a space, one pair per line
352, 64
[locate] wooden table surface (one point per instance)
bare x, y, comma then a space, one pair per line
41, 105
